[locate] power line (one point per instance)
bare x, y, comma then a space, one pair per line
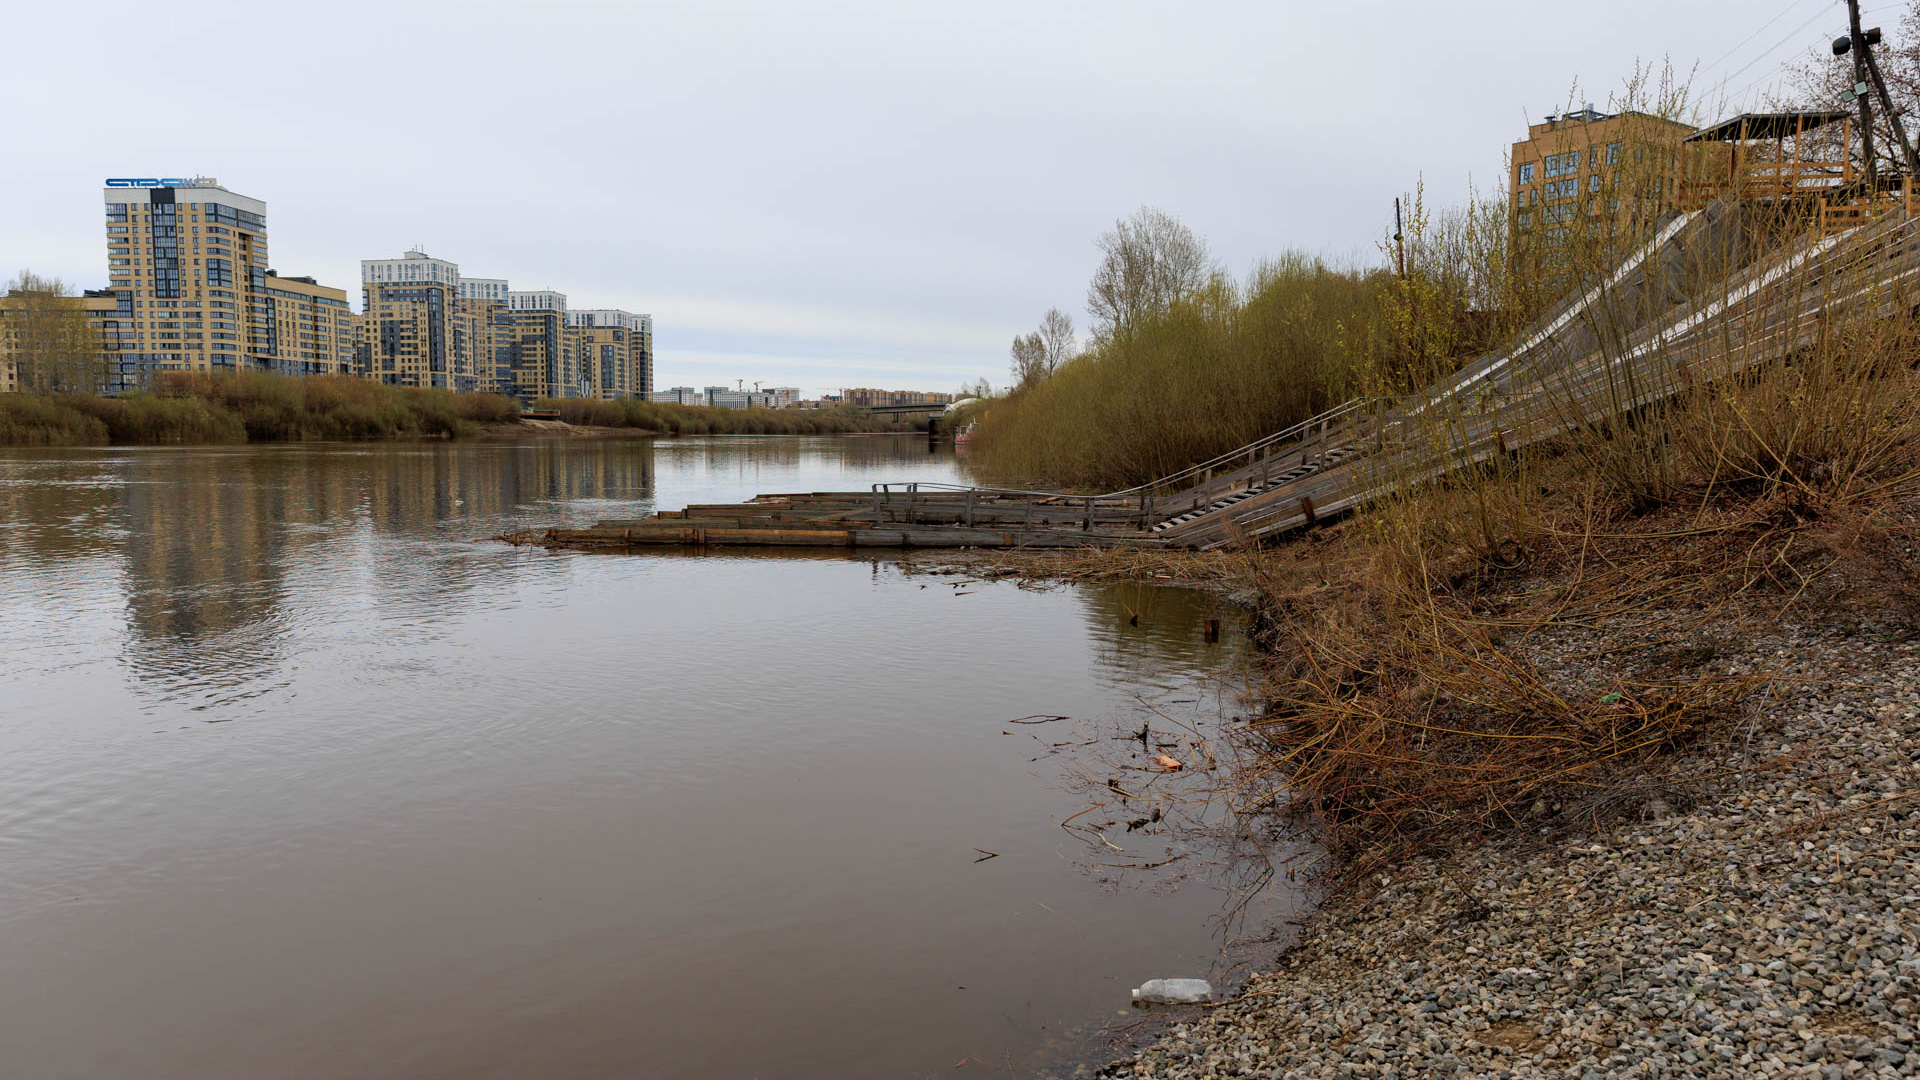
1718, 60
1772, 74
1791, 34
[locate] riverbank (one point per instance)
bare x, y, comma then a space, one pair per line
240, 407
653, 416
1702, 866
216, 409
1759, 919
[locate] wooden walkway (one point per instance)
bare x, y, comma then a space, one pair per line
1697, 303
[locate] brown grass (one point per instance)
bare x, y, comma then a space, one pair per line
1528, 644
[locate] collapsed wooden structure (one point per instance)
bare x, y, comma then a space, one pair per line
1717, 290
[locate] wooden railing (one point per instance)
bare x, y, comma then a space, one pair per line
1310, 438
1836, 216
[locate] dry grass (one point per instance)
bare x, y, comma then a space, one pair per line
1519, 646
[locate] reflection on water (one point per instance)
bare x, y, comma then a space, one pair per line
303, 781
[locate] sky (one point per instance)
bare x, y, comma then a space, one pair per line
827, 194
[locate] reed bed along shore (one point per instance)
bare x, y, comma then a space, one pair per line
248, 407
198, 407
668, 419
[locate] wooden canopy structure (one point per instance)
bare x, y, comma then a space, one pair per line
1767, 157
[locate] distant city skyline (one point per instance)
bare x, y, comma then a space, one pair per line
881, 194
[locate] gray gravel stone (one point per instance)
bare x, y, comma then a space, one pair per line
1769, 931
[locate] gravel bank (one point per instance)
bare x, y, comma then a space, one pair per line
1771, 930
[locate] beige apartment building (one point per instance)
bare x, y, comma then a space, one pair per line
60, 344
191, 289
616, 351
309, 327
1589, 173
426, 324
485, 332
544, 351
190, 259
409, 307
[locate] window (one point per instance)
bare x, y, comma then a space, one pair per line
1563, 163
1613, 153
1526, 173
1593, 182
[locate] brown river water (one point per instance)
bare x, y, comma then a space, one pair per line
301, 781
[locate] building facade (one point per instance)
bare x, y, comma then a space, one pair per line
866, 397
730, 397
190, 258
680, 395
617, 351
309, 327
485, 332
191, 289
1592, 175
544, 351
409, 307
61, 344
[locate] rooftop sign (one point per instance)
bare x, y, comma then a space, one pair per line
162, 182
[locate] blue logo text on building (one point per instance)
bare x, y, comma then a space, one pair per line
158, 182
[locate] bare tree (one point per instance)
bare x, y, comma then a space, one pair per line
53, 348
1825, 81
1029, 360
1039, 354
1148, 262
1057, 339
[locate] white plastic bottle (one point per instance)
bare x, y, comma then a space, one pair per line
1172, 992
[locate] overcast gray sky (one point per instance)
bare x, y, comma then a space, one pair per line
828, 194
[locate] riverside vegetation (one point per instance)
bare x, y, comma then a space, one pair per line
1675, 633
198, 407
701, 420
194, 407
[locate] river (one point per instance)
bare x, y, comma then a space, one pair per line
303, 781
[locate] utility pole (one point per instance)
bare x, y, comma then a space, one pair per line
1858, 42
1865, 43
1399, 243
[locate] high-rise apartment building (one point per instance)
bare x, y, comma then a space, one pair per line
412, 324
487, 332
190, 258
309, 327
616, 351
545, 351
190, 289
